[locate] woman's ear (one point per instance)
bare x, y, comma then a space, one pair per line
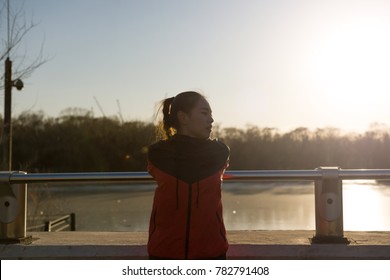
182, 117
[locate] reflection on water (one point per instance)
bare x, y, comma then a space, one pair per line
366, 206
250, 205
269, 206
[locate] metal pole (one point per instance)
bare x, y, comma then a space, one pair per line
13, 210
329, 207
6, 161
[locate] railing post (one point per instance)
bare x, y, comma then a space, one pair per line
73, 221
13, 210
329, 207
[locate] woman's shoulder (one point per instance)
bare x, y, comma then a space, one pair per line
173, 143
157, 145
219, 145
161, 145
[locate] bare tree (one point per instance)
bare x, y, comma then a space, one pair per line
14, 27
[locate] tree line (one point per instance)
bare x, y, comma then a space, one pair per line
76, 141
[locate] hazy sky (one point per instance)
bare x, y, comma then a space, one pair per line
273, 63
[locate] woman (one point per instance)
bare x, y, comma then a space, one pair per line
186, 220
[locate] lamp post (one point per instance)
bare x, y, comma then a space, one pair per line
6, 144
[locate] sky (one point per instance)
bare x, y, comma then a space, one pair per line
270, 63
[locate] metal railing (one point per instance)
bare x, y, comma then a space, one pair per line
62, 223
328, 193
66, 222
241, 175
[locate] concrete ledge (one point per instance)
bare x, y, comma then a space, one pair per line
243, 245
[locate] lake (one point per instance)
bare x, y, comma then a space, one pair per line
247, 205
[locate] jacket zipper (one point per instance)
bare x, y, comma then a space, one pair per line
177, 193
188, 221
197, 195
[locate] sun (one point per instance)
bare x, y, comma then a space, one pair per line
351, 65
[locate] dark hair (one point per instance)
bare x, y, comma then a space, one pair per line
184, 102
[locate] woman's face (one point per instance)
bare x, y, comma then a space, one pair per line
198, 123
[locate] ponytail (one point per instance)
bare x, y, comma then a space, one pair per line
169, 120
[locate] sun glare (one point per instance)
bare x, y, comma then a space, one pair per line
363, 207
352, 65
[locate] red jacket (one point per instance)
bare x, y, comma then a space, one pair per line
186, 220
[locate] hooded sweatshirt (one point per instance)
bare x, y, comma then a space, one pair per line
186, 220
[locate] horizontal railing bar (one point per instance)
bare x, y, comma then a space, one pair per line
62, 219
370, 174
343, 174
31, 228
60, 229
249, 175
79, 177
242, 175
